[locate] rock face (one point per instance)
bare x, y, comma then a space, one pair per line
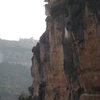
66, 61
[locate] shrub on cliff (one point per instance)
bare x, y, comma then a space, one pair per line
24, 96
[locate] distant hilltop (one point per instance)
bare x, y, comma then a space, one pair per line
17, 52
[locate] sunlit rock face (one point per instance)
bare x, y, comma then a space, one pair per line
66, 61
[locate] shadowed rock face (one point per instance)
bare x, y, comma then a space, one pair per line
65, 64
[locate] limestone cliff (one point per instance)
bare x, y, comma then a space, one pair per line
66, 61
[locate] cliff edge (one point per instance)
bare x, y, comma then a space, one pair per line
66, 60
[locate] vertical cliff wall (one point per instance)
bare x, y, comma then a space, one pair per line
66, 61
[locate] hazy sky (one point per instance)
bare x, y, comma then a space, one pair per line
21, 19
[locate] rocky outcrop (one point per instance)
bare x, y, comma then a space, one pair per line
65, 62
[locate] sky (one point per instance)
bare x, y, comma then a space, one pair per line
22, 19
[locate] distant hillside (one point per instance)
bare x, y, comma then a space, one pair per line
14, 79
15, 62
18, 52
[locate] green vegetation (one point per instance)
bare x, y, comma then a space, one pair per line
24, 96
